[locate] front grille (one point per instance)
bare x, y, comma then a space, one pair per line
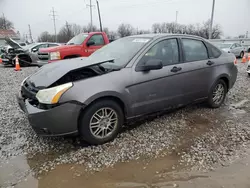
28, 91
44, 56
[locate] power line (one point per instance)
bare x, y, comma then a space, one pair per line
54, 21
30, 34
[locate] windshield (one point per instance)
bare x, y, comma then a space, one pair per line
121, 50
29, 46
224, 45
78, 39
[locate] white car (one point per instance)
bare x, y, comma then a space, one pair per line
235, 48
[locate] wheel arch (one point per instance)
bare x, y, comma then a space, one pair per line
115, 98
225, 78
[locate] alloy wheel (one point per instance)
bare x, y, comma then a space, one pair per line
218, 93
103, 123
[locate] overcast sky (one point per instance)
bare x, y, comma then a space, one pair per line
230, 14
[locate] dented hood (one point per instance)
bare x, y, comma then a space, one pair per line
12, 43
52, 72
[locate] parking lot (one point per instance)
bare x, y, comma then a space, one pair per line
154, 152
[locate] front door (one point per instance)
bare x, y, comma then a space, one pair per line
98, 42
156, 90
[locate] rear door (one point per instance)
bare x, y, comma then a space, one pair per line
196, 70
98, 43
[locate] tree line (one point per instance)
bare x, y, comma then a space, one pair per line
70, 30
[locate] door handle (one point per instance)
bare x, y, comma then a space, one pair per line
210, 63
176, 69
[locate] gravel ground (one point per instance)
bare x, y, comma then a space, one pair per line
201, 137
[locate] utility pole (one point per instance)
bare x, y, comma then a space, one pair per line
176, 17
30, 34
211, 21
100, 20
54, 21
91, 15
4, 22
247, 34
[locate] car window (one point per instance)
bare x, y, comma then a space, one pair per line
166, 50
40, 46
213, 51
194, 50
233, 46
97, 39
52, 45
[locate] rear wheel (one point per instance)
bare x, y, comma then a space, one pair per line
101, 122
217, 94
249, 74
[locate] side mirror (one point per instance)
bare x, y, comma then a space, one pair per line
90, 43
152, 64
34, 50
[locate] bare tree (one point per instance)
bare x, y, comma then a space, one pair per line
156, 28
87, 28
197, 29
46, 37
76, 29
125, 30
5, 23
65, 33
143, 31
68, 31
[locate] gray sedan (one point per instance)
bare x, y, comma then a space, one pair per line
130, 77
234, 48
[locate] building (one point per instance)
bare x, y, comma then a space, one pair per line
8, 33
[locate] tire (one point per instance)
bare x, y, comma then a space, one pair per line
249, 74
211, 98
85, 130
241, 54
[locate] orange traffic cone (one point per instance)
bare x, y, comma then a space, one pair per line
1, 61
17, 67
244, 59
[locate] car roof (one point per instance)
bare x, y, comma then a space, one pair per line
160, 35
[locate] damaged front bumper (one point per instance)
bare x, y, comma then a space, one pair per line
58, 121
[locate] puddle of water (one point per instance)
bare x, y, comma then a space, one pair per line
65, 176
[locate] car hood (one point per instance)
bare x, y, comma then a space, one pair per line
57, 48
12, 43
226, 49
50, 73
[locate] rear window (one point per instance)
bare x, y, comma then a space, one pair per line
213, 51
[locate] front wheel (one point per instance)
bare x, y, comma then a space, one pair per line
101, 122
217, 94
